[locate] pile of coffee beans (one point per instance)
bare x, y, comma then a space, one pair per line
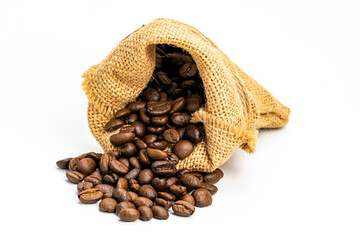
134, 191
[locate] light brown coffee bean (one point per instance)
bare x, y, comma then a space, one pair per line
91, 195
163, 203
74, 177
147, 191
160, 212
183, 208
120, 195
142, 201
106, 189
183, 148
64, 163
107, 205
124, 205
129, 215
86, 166
188, 198
122, 183
145, 213
202, 197
84, 185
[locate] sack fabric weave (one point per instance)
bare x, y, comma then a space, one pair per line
236, 105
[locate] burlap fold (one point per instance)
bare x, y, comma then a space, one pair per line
236, 104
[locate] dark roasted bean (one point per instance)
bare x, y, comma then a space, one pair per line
114, 124
122, 113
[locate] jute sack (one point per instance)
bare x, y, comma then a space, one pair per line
236, 104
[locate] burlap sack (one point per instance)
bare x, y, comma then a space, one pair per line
236, 104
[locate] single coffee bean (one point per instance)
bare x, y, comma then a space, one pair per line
133, 195
158, 108
159, 120
181, 132
188, 84
106, 189
147, 191
110, 178
73, 163
104, 163
86, 166
163, 78
125, 161
198, 175
63, 164
183, 148
128, 150
118, 167
155, 130
177, 105
170, 90
164, 168
183, 208
171, 135
150, 94
142, 201
145, 176
181, 172
122, 113
173, 60
107, 205
136, 106
220, 172
163, 97
74, 177
149, 138
145, 213
140, 144
144, 116
210, 187
121, 138
172, 158
202, 197
163, 203
131, 118
121, 194
134, 162
186, 58
91, 195
134, 185
193, 133
95, 156
192, 104
95, 180
114, 124
177, 190
189, 181
180, 119
167, 196
127, 129
123, 205
212, 177
122, 183
132, 174
84, 185
139, 128
160, 212
172, 181
159, 184
188, 198
97, 174
188, 70
161, 145
156, 154
129, 215
143, 157
115, 153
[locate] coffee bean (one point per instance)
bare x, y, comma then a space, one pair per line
193, 133
177, 190
132, 174
155, 130
188, 84
163, 78
143, 157
121, 194
167, 196
136, 106
188, 70
134, 185
140, 144
144, 116
95, 180
123, 205
147, 191
122, 113
198, 175
140, 128
63, 164
159, 184
74, 177
122, 183
125, 161
115, 153
86, 166
150, 94
83, 186
161, 145
110, 178
128, 150
163, 203
183, 148
104, 163
159, 120
202, 197
91, 195
160, 212
134, 162
177, 105
107, 205
149, 138
145, 213
118, 167
131, 118
127, 129
212, 177
220, 172
171, 135
114, 124
180, 119
172, 158
163, 97
129, 215
145, 176
210, 187
188, 198
133, 195
181, 132
156, 154
73, 163
171, 89
173, 60
181, 172
164, 168
192, 105
189, 181
121, 138
142, 201
172, 181
106, 189
158, 108
183, 208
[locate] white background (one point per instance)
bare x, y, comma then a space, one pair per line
302, 183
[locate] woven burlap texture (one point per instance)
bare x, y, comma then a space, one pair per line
236, 104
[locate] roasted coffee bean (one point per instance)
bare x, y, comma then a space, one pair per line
188, 198
63, 164
121, 194
167, 196
172, 158
163, 78
132, 173
186, 58
140, 128
183, 148
110, 178
125, 161
74, 177
118, 167
188, 70
127, 129
115, 153
181, 132
136, 106
134, 185
210, 187
73, 163
159, 120
202, 197
220, 172
163, 97
145, 213
145, 176
144, 116
121, 138
164, 168
183, 208
199, 176
131, 118
177, 105
133, 195
173, 60
84, 185
86, 166
140, 144
149, 138
192, 104
177, 190
156, 154
193, 133
114, 124
160, 212
150, 94
106, 189
147, 191
189, 181
128, 150
155, 130
161, 145
170, 90
158, 108
163, 203
188, 84
181, 172
107, 205
159, 184
104, 163
142, 201
122, 183
212, 177
143, 157
91, 195
172, 181
129, 215
95, 180
180, 119
95, 156
134, 162
171, 135
122, 113
123, 205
